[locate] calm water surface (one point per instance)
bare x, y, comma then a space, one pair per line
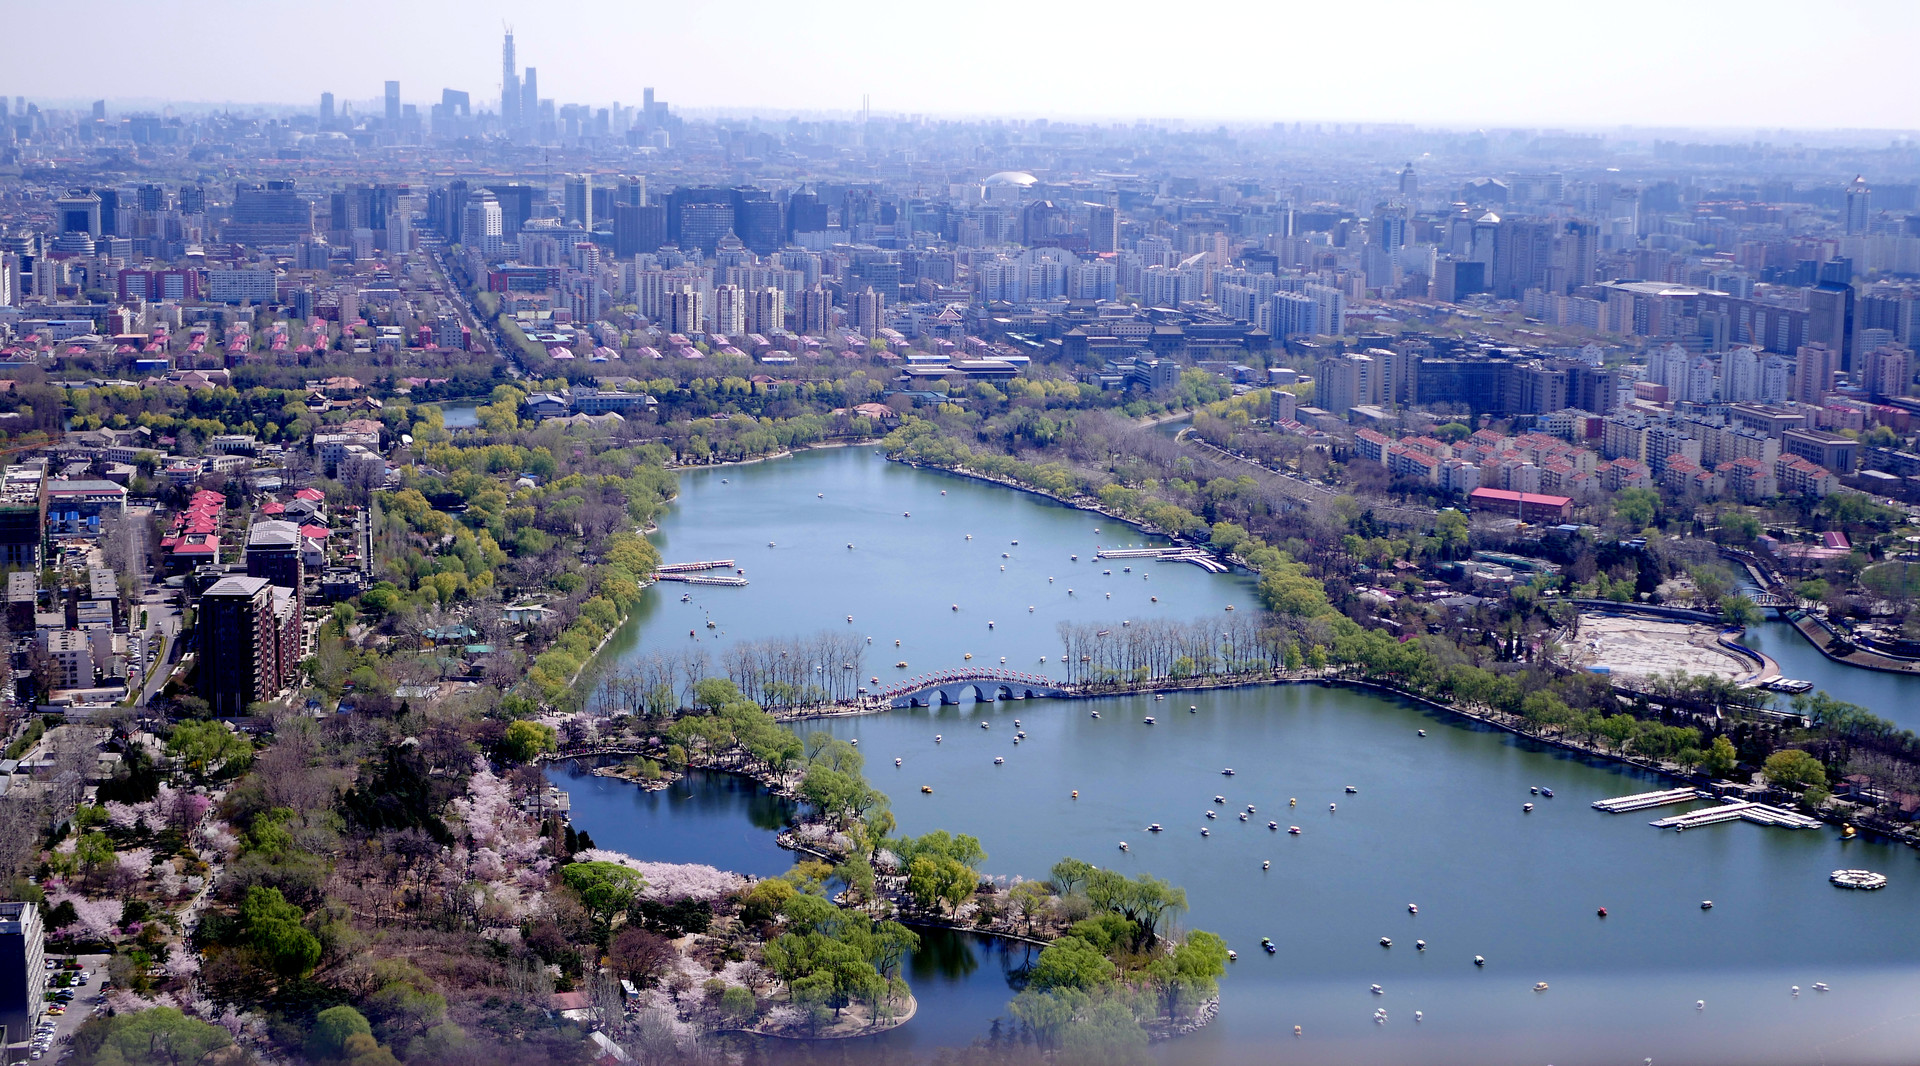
1436, 820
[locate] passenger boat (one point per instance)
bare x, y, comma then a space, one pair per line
926, 788
1863, 879
997, 760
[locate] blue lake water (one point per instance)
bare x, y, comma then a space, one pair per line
1435, 820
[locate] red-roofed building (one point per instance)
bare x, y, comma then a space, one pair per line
1526, 506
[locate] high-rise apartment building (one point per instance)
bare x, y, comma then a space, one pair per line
868, 309
249, 642
1346, 381
766, 310
23, 973
1814, 371
814, 315
729, 310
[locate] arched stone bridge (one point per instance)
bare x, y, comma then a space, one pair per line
986, 686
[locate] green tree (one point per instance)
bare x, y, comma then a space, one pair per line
524, 740
1794, 770
1635, 508
161, 1036
274, 929
206, 747
331, 1029
1739, 611
1071, 962
1720, 758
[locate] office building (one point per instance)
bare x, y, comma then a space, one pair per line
1859, 206
271, 212
509, 84
638, 228
79, 211
577, 206
23, 972
393, 105
326, 110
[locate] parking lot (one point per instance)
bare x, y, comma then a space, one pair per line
78, 1009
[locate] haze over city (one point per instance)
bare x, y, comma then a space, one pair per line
1732, 66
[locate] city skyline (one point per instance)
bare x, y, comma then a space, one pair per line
1644, 67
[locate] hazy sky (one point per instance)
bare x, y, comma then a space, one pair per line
1757, 64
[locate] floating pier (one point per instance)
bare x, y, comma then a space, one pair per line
1644, 800
728, 580
1195, 556
688, 568
1744, 810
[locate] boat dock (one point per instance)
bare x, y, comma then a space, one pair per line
688, 568
1746, 810
1644, 800
728, 580
1195, 556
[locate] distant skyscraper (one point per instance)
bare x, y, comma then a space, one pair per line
1409, 183
1859, 205
393, 105
326, 109
509, 85
529, 98
579, 200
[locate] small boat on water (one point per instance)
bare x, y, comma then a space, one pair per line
1148, 719
1205, 832
1073, 558
902, 664
1249, 808
1219, 799
1528, 808
1331, 807
986, 725
968, 655
1106, 573
1423, 732
926, 789
1213, 814
1479, 961
1706, 904
896, 762
1096, 714
1160, 698
1155, 828
1413, 908
1351, 790
1419, 945
937, 738
1386, 941
997, 760
1243, 816
1269, 945
1273, 825
1232, 955
1228, 772
1535, 790
1267, 865
1540, 986
1293, 830
1377, 990
1547, 792
1820, 986
1123, 845
685, 598
906, 514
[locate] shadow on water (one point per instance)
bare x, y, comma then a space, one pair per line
714, 818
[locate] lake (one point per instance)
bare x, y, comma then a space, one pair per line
1435, 820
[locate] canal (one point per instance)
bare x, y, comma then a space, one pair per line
1435, 820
